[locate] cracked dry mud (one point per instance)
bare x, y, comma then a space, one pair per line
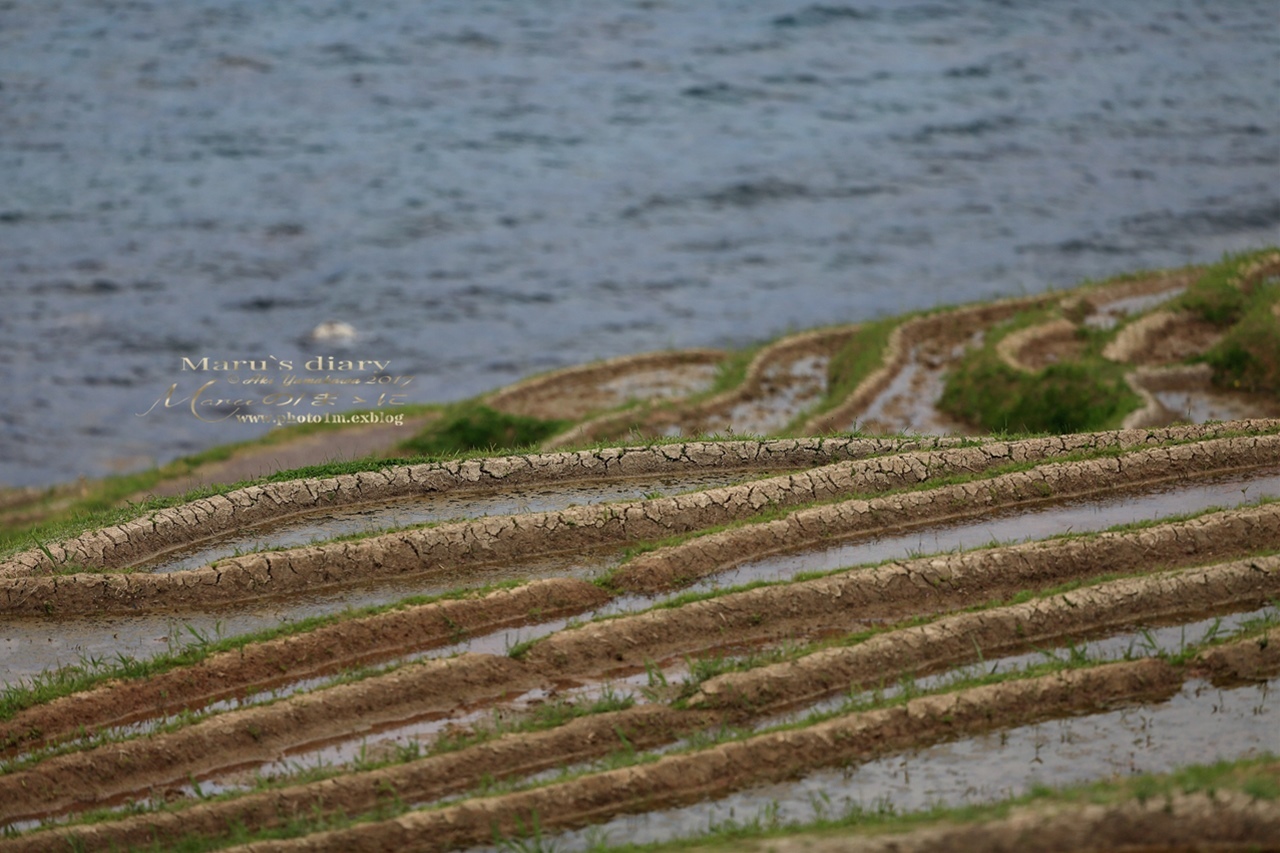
570, 661
201, 724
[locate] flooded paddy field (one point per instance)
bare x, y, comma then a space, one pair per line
1091, 603
644, 637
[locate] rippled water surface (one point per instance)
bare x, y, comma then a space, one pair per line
487, 189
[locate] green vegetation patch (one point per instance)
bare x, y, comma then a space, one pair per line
860, 357
1248, 356
1076, 396
474, 426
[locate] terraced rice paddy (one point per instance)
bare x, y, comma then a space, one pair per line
641, 641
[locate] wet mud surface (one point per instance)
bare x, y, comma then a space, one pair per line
220, 721
999, 561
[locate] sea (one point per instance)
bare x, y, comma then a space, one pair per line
472, 191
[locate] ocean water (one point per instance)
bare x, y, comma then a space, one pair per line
483, 190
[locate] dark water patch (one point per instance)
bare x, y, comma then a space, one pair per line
96, 287
1227, 217
746, 195
465, 38
821, 16
978, 127
800, 79
112, 381
725, 93
270, 303
1078, 246
750, 194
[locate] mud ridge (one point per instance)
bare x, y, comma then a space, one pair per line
902, 589
289, 723
486, 541
716, 771
291, 659
706, 555
974, 637
1026, 349
573, 393
509, 756
1257, 659
885, 658
257, 734
144, 538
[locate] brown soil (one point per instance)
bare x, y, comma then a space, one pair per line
1255, 660
898, 590
682, 778
145, 538
886, 657
705, 555
933, 334
514, 538
577, 392
973, 637
263, 666
766, 377
1162, 337
1036, 347
249, 463
1101, 298
512, 755
258, 734
1191, 396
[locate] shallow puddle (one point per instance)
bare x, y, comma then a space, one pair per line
1201, 405
28, 647
658, 383
1125, 645
1111, 313
790, 389
319, 526
1075, 516
910, 402
1150, 738
786, 389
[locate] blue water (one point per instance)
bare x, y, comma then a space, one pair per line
488, 189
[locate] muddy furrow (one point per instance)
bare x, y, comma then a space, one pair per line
694, 418
144, 538
322, 651
949, 642
253, 735
418, 552
887, 657
771, 757
450, 773
716, 552
576, 392
975, 637
901, 589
